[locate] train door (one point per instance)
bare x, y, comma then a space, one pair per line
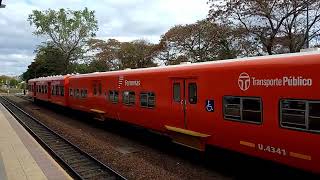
184, 99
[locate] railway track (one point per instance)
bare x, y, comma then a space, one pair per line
77, 162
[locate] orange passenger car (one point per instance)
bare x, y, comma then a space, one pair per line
59, 90
268, 107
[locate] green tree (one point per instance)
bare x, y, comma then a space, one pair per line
106, 54
115, 55
197, 42
68, 30
49, 60
136, 54
270, 24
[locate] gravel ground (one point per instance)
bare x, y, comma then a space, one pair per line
138, 154
123, 153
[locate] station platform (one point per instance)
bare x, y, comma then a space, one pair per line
21, 157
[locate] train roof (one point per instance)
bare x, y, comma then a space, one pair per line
313, 57
50, 78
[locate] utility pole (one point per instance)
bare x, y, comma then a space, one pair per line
2, 5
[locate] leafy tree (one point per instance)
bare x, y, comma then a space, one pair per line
270, 23
13, 82
68, 30
136, 54
106, 54
49, 60
114, 55
198, 42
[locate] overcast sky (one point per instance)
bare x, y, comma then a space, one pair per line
124, 20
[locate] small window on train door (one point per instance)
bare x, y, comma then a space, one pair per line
176, 92
85, 93
192, 88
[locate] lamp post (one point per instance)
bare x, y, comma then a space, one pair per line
2, 5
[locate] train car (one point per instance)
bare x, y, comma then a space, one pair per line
42, 89
266, 106
31, 88
59, 90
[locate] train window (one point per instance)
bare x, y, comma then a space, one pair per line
82, 93
314, 116
100, 89
52, 90
111, 96
70, 92
245, 109
114, 96
85, 93
128, 97
232, 108
300, 114
147, 99
251, 110
77, 93
61, 90
57, 90
94, 89
46, 89
176, 92
192, 87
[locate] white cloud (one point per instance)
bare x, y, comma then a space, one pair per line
125, 20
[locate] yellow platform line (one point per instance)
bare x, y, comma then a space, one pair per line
249, 144
300, 156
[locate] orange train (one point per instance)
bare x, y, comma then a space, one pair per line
268, 106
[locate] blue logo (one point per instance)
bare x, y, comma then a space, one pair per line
210, 105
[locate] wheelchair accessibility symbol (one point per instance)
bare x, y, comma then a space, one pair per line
210, 105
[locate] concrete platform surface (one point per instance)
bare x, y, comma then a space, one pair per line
21, 157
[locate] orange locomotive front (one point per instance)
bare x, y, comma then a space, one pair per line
266, 107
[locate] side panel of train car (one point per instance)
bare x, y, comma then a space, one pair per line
59, 90
31, 88
265, 107
42, 89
